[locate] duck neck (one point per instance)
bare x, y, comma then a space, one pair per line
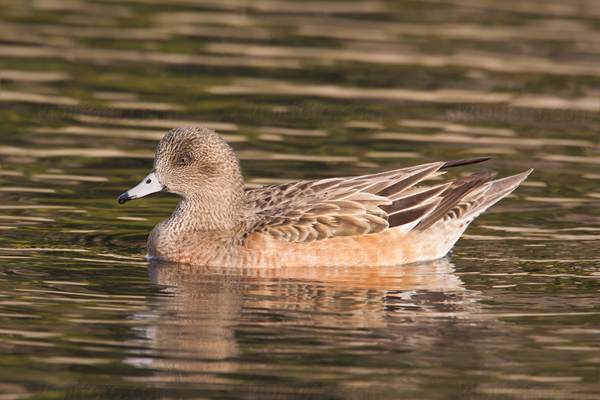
202, 213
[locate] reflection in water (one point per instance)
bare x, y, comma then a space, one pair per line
200, 332
192, 332
309, 330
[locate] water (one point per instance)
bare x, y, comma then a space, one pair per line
301, 90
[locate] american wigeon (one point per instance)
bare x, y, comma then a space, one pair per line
379, 219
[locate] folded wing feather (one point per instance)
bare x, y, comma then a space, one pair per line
361, 205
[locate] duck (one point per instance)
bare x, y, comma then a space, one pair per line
382, 219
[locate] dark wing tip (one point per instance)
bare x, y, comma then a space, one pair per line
467, 161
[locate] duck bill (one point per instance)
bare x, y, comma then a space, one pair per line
148, 186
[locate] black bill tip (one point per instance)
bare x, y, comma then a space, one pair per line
124, 198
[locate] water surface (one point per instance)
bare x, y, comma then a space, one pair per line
301, 90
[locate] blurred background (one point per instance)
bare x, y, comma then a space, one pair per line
301, 90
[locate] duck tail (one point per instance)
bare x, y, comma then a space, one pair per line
444, 226
478, 201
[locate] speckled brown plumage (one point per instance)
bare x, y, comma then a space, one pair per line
379, 219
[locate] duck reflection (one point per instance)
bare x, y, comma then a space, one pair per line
201, 328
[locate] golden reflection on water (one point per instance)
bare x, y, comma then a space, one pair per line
536, 6
32, 76
466, 139
256, 86
101, 56
376, 31
67, 177
470, 59
453, 127
10, 96
25, 189
162, 124
95, 153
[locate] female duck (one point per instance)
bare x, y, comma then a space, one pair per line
379, 219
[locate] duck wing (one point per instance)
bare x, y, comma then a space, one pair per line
307, 211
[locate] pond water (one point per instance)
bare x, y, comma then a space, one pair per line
301, 90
